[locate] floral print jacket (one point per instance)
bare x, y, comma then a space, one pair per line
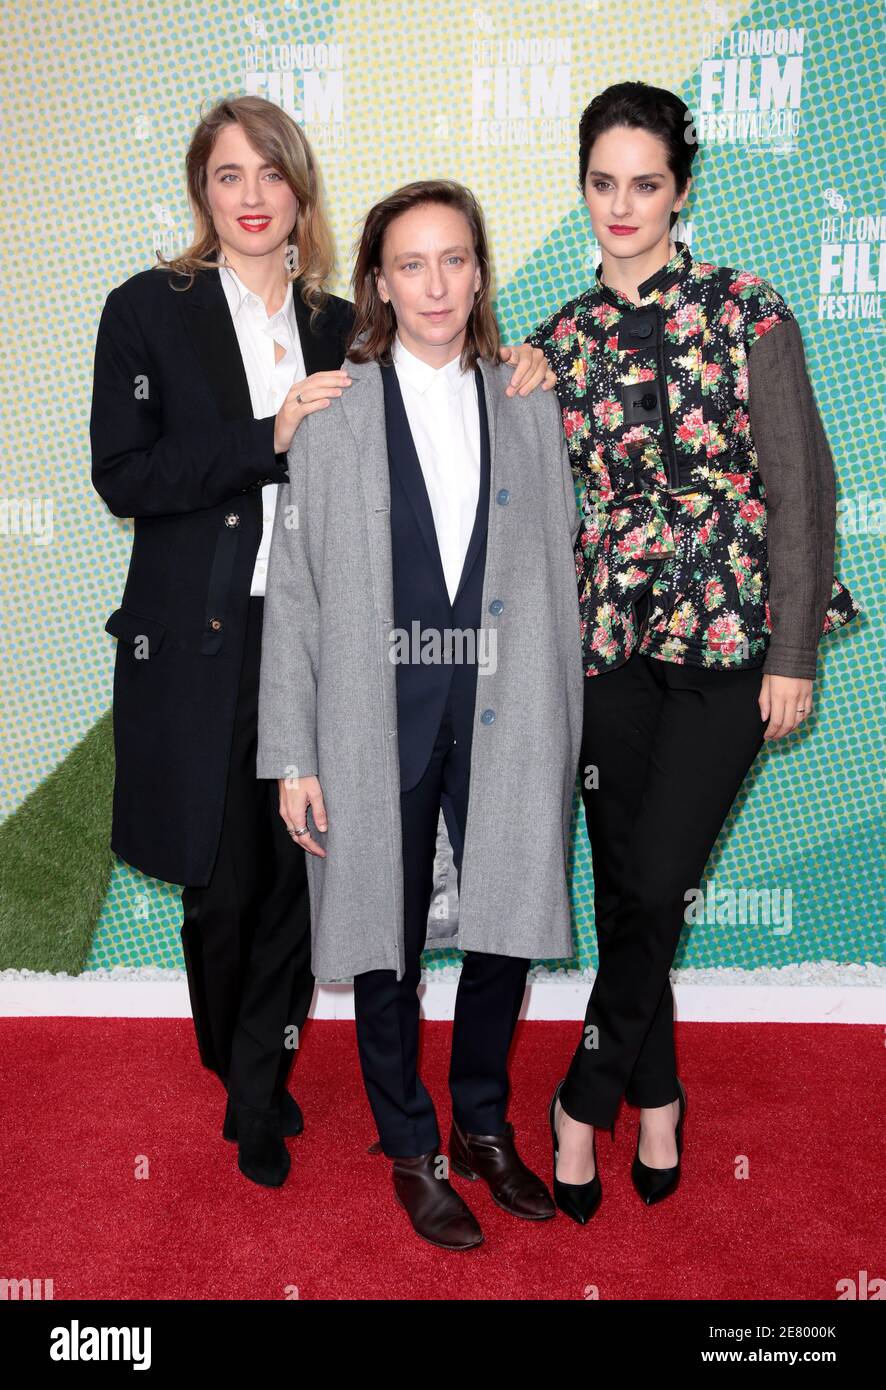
673, 497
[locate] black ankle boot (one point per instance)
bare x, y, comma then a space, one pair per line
291, 1119
262, 1155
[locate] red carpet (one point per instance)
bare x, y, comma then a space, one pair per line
88, 1104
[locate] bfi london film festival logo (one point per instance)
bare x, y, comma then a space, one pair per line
852, 263
307, 80
520, 88
751, 82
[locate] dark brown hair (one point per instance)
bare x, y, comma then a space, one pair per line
282, 143
375, 323
638, 105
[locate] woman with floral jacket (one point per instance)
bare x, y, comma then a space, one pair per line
705, 572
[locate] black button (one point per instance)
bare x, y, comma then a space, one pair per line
649, 401
641, 329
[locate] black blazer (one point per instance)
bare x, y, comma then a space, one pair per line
175, 446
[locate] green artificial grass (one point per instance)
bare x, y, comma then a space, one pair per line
56, 860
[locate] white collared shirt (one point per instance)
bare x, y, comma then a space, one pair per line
269, 380
444, 417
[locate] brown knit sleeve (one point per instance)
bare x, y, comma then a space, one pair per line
797, 468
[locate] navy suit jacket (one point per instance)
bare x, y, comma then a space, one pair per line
420, 592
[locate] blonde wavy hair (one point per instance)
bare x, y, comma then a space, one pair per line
284, 144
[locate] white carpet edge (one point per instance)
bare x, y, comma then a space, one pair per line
808, 992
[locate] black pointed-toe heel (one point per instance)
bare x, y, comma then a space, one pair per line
654, 1184
576, 1199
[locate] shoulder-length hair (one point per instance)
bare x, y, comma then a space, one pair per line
375, 323
282, 143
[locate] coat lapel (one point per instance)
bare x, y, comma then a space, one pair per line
481, 519
487, 371
317, 351
363, 405
211, 330
405, 461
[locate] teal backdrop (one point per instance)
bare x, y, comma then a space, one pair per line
789, 184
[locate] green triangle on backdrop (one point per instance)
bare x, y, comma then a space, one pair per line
56, 860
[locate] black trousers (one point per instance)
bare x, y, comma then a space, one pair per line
672, 745
490, 989
246, 935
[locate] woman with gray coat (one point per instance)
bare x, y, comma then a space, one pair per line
421, 650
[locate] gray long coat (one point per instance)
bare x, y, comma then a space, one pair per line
327, 698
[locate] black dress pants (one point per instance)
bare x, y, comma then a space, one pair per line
672, 745
490, 989
246, 934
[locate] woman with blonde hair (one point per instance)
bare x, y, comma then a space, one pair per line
205, 366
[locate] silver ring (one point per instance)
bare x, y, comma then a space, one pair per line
303, 831
299, 399
802, 710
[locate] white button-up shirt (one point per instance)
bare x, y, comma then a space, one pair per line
269, 380
444, 418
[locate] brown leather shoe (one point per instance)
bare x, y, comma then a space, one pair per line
435, 1209
493, 1157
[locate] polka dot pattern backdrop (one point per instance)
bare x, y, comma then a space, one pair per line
103, 101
